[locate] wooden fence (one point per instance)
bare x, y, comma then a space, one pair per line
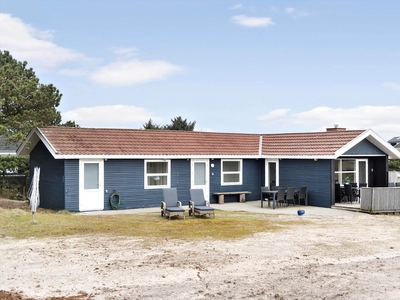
380, 200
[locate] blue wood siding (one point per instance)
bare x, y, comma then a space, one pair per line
252, 180
364, 147
51, 181
180, 179
71, 167
315, 175
127, 178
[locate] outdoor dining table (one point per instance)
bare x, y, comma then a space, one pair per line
274, 194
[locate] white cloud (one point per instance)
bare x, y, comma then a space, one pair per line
274, 114
392, 85
384, 120
246, 21
130, 72
125, 51
289, 10
237, 6
26, 43
109, 116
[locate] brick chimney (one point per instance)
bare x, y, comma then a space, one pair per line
335, 128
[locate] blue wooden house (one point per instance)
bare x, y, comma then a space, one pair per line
81, 167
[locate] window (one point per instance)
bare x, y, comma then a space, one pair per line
351, 170
157, 174
231, 172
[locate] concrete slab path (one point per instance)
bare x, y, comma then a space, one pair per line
249, 206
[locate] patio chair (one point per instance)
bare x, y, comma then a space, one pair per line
171, 207
198, 206
348, 193
281, 196
290, 196
303, 194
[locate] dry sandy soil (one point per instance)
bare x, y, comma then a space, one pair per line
330, 257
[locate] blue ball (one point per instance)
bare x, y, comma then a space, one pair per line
301, 212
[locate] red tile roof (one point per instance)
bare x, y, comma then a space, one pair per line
102, 141
306, 144
136, 142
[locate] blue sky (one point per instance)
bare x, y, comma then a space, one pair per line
231, 66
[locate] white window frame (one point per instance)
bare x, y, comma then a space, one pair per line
355, 171
168, 174
240, 172
267, 175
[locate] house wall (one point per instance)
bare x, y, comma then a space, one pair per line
364, 148
51, 181
59, 180
71, 195
315, 175
127, 178
252, 180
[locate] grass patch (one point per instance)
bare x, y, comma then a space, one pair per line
226, 225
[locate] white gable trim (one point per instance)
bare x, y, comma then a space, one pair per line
374, 139
31, 141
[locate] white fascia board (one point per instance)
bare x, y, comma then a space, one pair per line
46, 142
8, 153
374, 139
81, 156
30, 142
299, 157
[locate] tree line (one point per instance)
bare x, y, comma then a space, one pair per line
26, 103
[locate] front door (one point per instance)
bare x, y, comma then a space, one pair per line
200, 176
271, 173
91, 177
362, 169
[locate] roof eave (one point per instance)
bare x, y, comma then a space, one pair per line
374, 139
156, 156
33, 137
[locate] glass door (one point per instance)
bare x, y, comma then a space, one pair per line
200, 176
271, 173
362, 171
91, 177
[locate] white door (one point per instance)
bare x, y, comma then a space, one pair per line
200, 175
91, 178
362, 169
271, 173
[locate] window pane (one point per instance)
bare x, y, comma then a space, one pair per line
157, 180
348, 165
91, 176
231, 178
362, 172
157, 167
199, 173
337, 178
272, 174
337, 165
348, 177
231, 166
